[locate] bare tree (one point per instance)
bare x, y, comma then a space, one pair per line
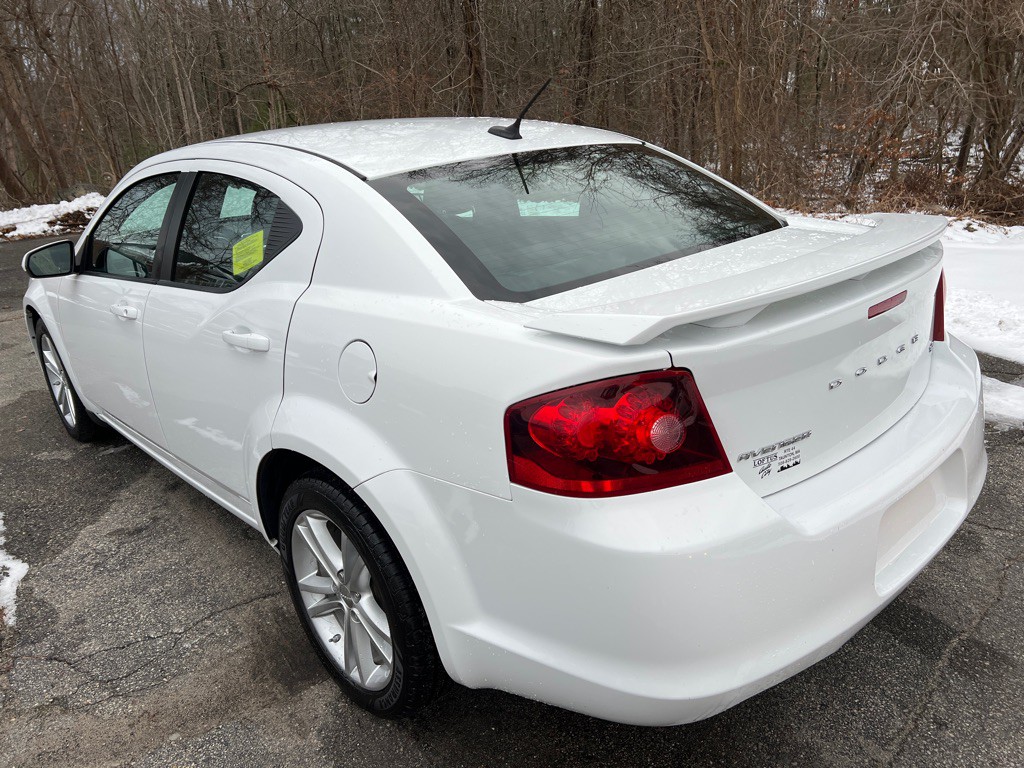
808, 102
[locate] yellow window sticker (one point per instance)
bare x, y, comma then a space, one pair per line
247, 253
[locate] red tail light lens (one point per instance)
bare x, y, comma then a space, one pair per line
613, 437
939, 318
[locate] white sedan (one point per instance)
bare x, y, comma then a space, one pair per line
563, 415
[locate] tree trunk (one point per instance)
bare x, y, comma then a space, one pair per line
474, 47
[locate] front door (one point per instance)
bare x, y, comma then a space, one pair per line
102, 307
217, 321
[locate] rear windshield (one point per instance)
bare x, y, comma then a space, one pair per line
522, 226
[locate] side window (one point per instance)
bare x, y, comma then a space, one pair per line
124, 241
232, 228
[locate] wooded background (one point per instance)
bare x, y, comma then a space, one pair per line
827, 104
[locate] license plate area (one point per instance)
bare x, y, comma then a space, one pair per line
913, 529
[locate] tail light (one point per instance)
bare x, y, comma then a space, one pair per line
939, 318
613, 437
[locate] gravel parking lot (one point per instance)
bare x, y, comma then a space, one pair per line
153, 628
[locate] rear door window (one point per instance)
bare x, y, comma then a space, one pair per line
232, 228
522, 226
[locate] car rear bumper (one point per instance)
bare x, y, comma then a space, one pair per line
671, 606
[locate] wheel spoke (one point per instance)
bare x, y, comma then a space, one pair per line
379, 677
350, 653
364, 653
50, 363
325, 607
317, 537
316, 584
376, 626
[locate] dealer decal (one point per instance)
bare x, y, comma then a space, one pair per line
777, 457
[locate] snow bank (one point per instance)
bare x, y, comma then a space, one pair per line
12, 571
987, 323
974, 231
37, 220
1004, 403
985, 287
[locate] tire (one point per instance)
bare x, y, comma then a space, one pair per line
348, 631
78, 422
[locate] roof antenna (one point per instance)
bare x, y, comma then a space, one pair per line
512, 131
522, 178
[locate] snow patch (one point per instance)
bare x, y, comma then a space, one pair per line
12, 571
974, 231
1004, 403
38, 220
985, 287
985, 322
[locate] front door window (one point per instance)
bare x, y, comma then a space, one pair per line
123, 243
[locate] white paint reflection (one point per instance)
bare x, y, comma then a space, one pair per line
214, 435
132, 396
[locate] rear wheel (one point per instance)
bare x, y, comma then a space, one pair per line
356, 600
76, 420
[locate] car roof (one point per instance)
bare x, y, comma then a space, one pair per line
374, 148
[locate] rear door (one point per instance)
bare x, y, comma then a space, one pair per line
217, 319
103, 306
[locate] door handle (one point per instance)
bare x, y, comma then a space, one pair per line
245, 340
124, 312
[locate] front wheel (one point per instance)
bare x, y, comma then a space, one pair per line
73, 416
356, 600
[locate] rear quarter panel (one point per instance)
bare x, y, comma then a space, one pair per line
448, 365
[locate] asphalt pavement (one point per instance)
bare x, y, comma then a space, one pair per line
153, 629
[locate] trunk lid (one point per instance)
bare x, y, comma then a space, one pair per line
777, 333
733, 282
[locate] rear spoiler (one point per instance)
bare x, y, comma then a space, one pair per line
890, 238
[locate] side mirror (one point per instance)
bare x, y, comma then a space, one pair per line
50, 260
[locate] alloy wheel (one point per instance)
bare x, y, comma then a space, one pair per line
337, 592
57, 378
